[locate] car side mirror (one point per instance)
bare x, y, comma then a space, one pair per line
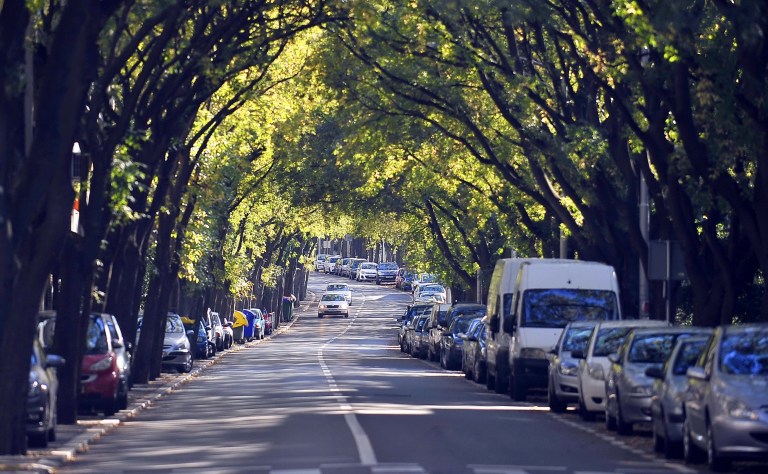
696, 373
53, 360
578, 354
654, 372
614, 358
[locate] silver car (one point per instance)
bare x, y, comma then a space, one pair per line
726, 407
177, 350
563, 386
627, 389
669, 387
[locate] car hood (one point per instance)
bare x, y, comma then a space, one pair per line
750, 389
174, 338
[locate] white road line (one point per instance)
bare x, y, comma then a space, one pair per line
363, 443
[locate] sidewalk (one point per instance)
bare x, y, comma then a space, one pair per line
73, 439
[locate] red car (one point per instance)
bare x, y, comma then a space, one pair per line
267, 321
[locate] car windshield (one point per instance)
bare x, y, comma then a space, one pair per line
609, 340
577, 338
333, 297
431, 289
337, 287
387, 266
441, 317
556, 307
651, 348
473, 312
174, 326
427, 278
687, 355
96, 337
745, 353
368, 266
461, 324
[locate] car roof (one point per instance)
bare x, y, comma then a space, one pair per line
673, 330
639, 323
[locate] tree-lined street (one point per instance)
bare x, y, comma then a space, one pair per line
335, 395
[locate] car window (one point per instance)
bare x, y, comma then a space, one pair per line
337, 287
333, 297
577, 338
745, 353
387, 266
556, 307
174, 326
96, 337
608, 340
461, 324
651, 348
687, 355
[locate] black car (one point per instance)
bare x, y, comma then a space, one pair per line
452, 344
473, 355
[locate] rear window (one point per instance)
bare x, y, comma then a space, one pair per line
96, 337
387, 266
333, 297
609, 340
577, 338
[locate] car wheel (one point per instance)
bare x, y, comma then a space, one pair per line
110, 407
691, 453
659, 441
122, 397
502, 381
477, 373
490, 380
555, 404
715, 460
187, 367
443, 360
610, 420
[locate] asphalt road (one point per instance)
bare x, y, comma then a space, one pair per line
336, 395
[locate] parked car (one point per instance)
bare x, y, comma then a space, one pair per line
342, 288
452, 343
725, 406
473, 354
329, 265
353, 266
229, 333
218, 331
410, 313
400, 276
668, 394
429, 293
320, 262
437, 324
268, 323
41, 396
386, 272
177, 349
594, 364
259, 324
628, 390
342, 268
333, 304
366, 272
420, 279
211, 335
405, 281
563, 386
204, 347
409, 333
417, 344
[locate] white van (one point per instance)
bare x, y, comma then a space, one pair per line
530, 301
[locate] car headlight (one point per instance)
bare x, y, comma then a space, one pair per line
322, 306
532, 353
103, 364
568, 368
739, 409
200, 339
642, 390
596, 371
35, 388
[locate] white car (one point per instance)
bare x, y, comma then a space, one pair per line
342, 288
429, 293
333, 304
320, 262
366, 271
329, 265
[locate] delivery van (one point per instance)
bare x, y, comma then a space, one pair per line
530, 301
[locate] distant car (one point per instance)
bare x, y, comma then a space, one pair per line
41, 396
438, 323
410, 313
473, 354
563, 386
218, 331
342, 288
399, 277
229, 333
668, 394
628, 390
420, 279
429, 293
329, 265
386, 272
353, 266
268, 323
366, 272
413, 342
725, 406
259, 324
452, 343
177, 350
320, 262
594, 364
333, 304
